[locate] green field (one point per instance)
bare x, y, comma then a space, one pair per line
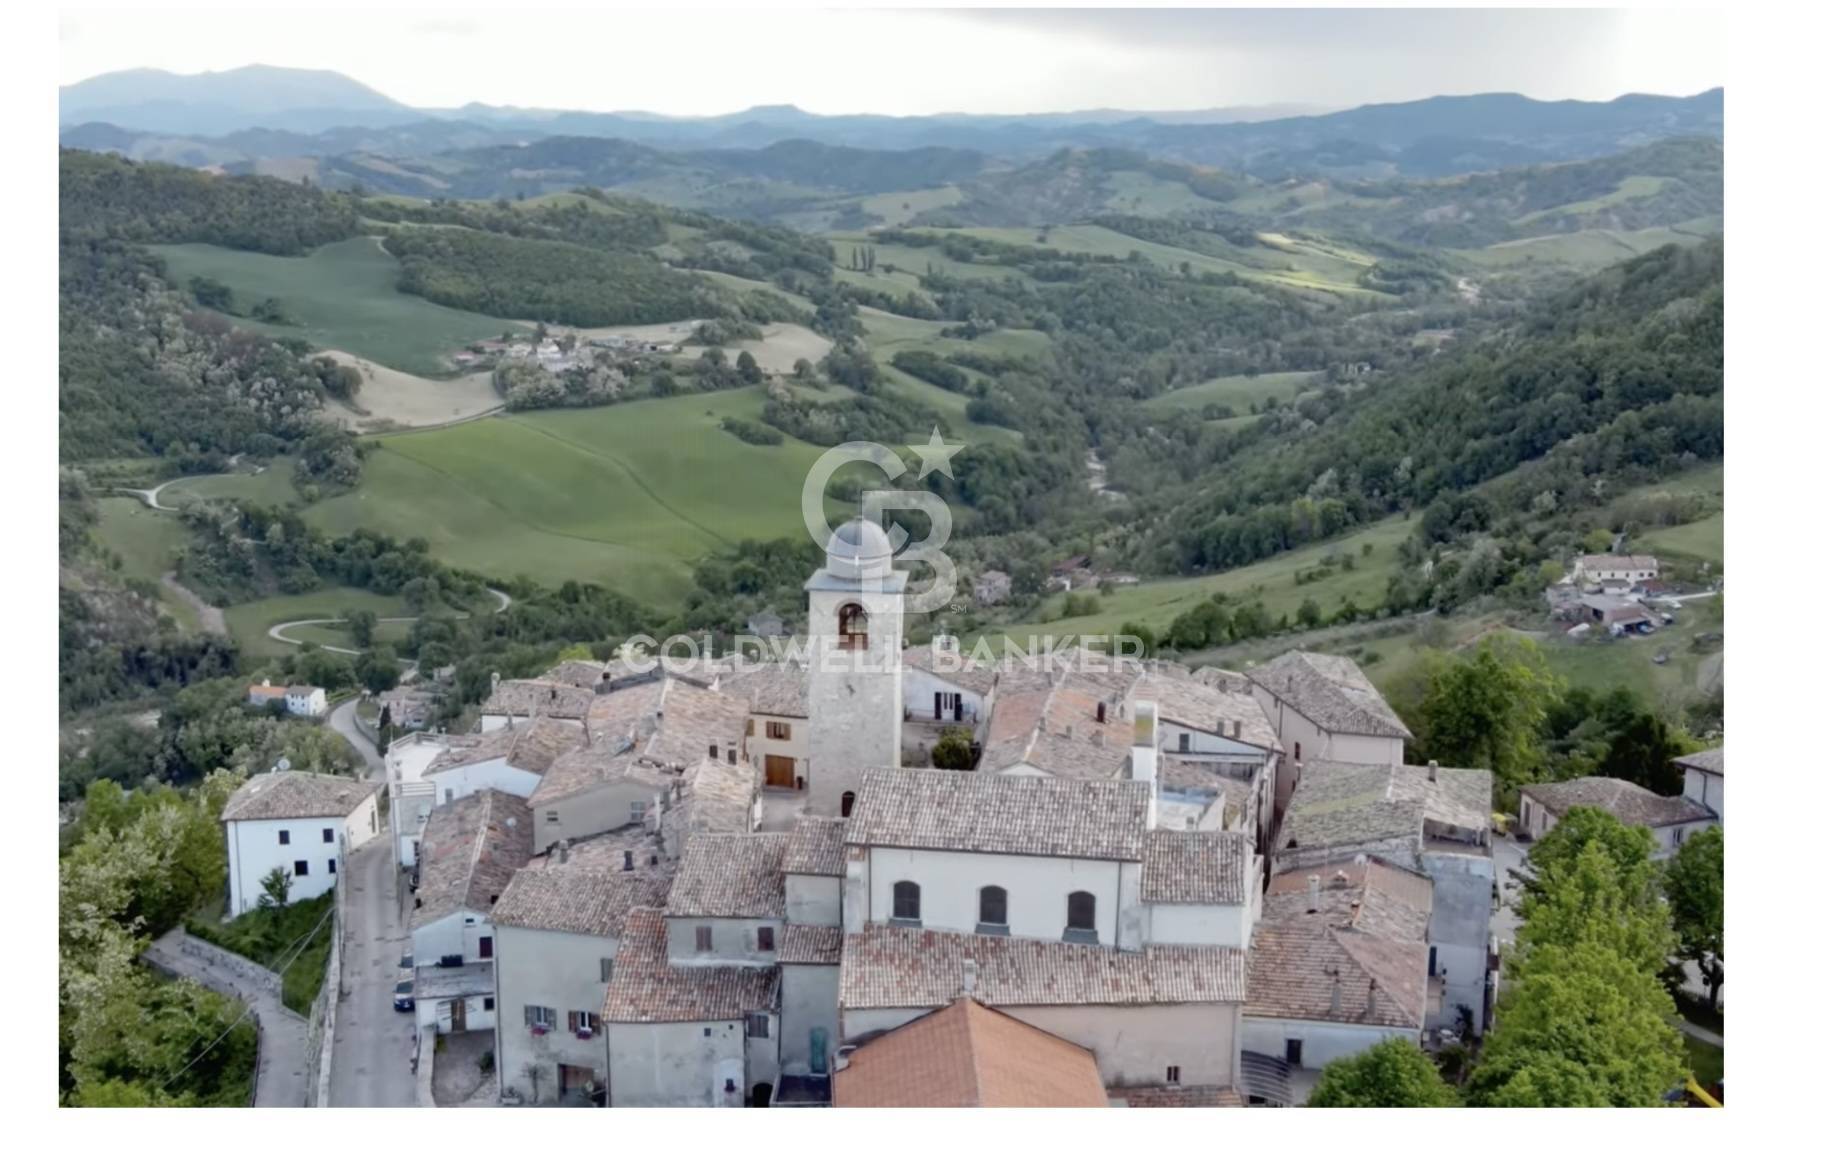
1592, 248
272, 486
1631, 187
1238, 391
147, 543
1157, 602
895, 208
249, 622
343, 295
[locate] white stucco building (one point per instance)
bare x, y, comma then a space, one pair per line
301, 823
1670, 819
1615, 574
306, 702
1322, 707
941, 685
1703, 780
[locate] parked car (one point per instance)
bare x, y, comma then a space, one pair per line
404, 995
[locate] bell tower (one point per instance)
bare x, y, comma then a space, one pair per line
856, 659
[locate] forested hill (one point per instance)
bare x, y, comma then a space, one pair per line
1619, 375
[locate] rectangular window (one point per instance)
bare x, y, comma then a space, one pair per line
329, 836
553, 817
1295, 1053
583, 1022
1184, 741
490, 1003
757, 1026
286, 838
605, 970
538, 1017
638, 808
703, 938
777, 731
486, 947
767, 938
331, 865
1171, 1074
713, 751
301, 869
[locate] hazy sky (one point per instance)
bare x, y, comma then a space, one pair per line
919, 61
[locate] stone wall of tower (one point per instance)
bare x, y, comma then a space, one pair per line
856, 699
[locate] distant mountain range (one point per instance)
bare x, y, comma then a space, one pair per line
239, 117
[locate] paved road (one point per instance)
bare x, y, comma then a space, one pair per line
374, 1043
279, 632
343, 720
282, 1082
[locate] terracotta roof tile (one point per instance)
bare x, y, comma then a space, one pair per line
1199, 868
1712, 760
817, 847
771, 689
730, 875
274, 796
1344, 805
469, 850
531, 745
576, 899
969, 1056
1188, 702
1180, 1097
1622, 799
1332, 692
1058, 721
894, 966
1038, 816
820, 945
647, 988
520, 698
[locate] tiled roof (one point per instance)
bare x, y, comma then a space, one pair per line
1203, 869
576, 899
969, 1056
646, 988
694, 719
771, 689
1620, 798
810, 944
730, 875
594, 766
1712, 760
1037, 816
713, 797
895, 966
1330, 691
607, 850
469, 850
1349, 804
275, 796
583, 672
817, 846
1058, 721
1606, 563
1365, 944
1180, 1097
961, 671
523, 697
531, 745
1189, 703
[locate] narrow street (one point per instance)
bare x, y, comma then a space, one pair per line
281, 1081
373, 1043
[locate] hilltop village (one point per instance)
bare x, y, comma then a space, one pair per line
1141, 885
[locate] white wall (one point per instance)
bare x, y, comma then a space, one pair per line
735, 940
1705, 788
1320, 1042
920, 691
550, 969
811, 997
254, 849
677, 1064
480, 1013
592, 811
856, 700
1221, 926
1037, 891
458, 933
811, 900
457, 783
759, 745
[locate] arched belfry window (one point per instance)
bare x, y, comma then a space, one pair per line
1080, 924
992, 919
852, 626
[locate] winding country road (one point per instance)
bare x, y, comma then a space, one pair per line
278, 632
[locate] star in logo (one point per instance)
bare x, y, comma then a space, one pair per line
936, 454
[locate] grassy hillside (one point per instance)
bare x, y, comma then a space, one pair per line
1239, 392
343, 296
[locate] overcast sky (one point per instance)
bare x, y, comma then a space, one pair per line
918, 61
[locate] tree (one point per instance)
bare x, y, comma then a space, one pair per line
1308, 614
1394, 1074
377, 669
954, 751
362, 626
275, 887
1489, 711
1580, 1025
1696, 885
1593, 900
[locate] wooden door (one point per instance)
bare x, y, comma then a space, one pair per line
458, 1014
779, 772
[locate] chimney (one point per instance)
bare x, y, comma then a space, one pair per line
969, 972
1146, 743
1372, 1008
1337, 993
1432, 771
495, 678
1237, 733
1311, 894
561, 851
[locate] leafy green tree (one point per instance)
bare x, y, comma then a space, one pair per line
377, 669
1394, 1074
953, 751
1308, 613
1580, 1025
275, 887
1489, 710
362, 626
1591, 899
1695, 880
